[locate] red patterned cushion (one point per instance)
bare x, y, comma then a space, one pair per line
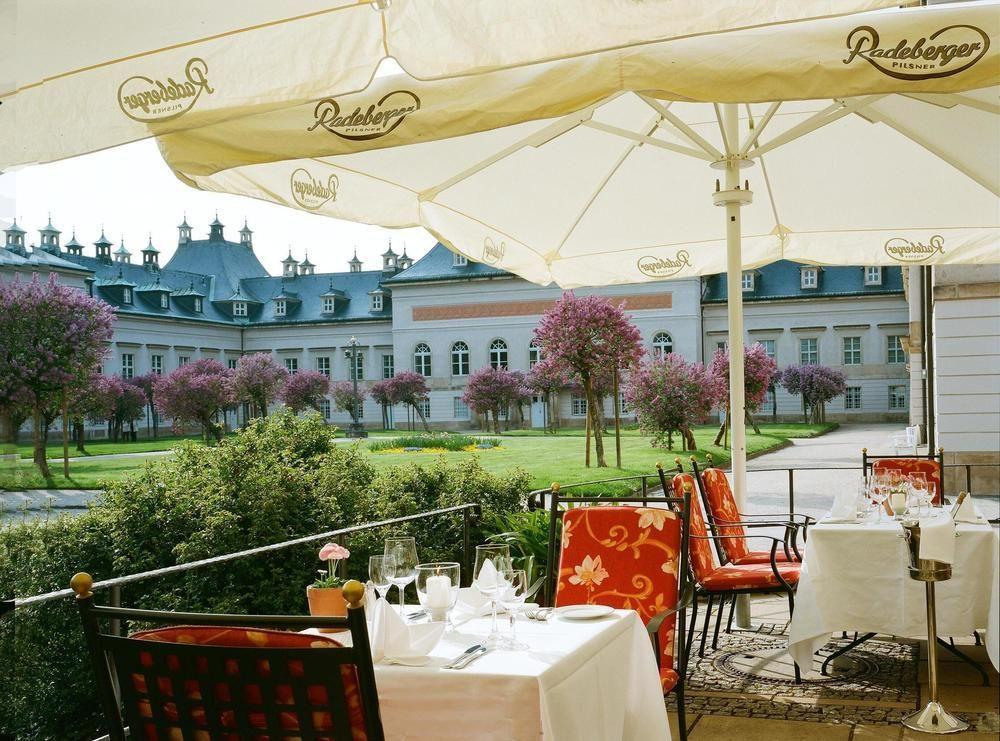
624, 557
751, 576
700, 550
722, 507
172, 681
906, 466
754, 557
668, 679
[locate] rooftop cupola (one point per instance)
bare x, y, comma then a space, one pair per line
215, 230
306, 267
122, 255
289, 266
150, 256
14, 238
405, 261
73, 247
183, 232
246, 236
389, 259
49, 237
103, 245
354, 262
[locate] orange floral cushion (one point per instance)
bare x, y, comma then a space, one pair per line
668, 679
174, 681
755, 557
931, 468
623, 557
750, 576
722, 508
700, 550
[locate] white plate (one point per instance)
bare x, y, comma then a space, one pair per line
584, 612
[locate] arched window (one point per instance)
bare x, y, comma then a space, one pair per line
663, 344
422, 359
498, 354
534, 354
459, 359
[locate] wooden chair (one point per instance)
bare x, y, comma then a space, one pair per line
232, 677
632, 558
930, 464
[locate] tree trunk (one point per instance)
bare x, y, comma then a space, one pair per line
692, 444
65, 433
594, 413
618, 421
722, 428
79, 435
586, 459
752, 422
40, 459
670, 440
805, 410
496, 420
423, 421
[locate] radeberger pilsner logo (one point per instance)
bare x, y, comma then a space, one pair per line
492, 252
311, 193
903, 250
376, 120
145, 99
945, 52
664, 267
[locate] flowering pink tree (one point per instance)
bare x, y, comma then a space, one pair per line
196, 392
493, 391
259, 381
670, 395
817, 384
547, 378
382, 392
344, 399
587, 335
759, 372
410, 388
51, 339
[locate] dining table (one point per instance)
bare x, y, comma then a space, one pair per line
855, 577
593, 680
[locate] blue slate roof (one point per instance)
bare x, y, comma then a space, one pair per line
227, 262
309, 291
438, 265
782, 280
35, 259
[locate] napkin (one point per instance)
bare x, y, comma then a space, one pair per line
844, 506
392, 638
937, 539
966, 511
472, 602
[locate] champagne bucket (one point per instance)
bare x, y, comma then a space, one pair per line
922, 569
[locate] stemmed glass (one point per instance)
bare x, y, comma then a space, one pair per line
878, 491
381, 570
511, 596
437, 589
491, 562
921, 490
404, 553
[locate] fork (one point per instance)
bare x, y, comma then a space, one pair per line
540, 614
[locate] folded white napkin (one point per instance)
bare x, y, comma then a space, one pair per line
392, 638
937, 539
472, 603
844, 505
966, 511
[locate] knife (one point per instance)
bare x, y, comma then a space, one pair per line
471, 657
453, 664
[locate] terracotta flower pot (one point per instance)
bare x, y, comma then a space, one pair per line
327, 602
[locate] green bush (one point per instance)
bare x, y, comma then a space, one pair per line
444, 440
527, 534
279, 479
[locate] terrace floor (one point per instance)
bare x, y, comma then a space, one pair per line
872, 688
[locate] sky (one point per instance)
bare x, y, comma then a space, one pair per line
131, 192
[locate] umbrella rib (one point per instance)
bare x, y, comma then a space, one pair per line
763, 167
645, 139
758, 130
947, 100
686, 130
722, 130
828, 115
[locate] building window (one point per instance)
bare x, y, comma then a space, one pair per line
128, 365
809, 351
388, 366
897, 397
896, 353
239, 308
768, 346
724, 346
768, 402
328, 304
359, 367
361, 410
156, 364
873, 275
461, 408
534, 354
197, 305
376, 302
280, 307
810, 277
852, 351
459, 260
323, 365
164, 301
231, 363
578, 405
324, 408
623, 406
425, 407
126, 295
459, 359
663, 344
183, 359
422, 359
852, 397
747, 281
292, 365
498, 354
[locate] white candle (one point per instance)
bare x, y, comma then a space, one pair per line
438, 589
897, 501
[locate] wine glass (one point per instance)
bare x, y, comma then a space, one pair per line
511, 595
878, 492
381, 570
491, 561
437, 589
921, 490
404, 553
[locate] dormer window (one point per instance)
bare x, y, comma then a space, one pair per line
126, 295
810, 277
748, 279
164, 301
329, 304
873, 275
376, 302
280, 307
197, 305
459, 260
239, 308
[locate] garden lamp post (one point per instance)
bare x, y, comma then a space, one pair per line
356, 429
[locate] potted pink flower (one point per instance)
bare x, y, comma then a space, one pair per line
326, 594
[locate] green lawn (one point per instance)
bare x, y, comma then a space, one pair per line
104, 447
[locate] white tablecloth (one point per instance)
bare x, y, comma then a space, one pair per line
856, 578
595, 680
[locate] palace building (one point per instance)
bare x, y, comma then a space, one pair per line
444, 317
